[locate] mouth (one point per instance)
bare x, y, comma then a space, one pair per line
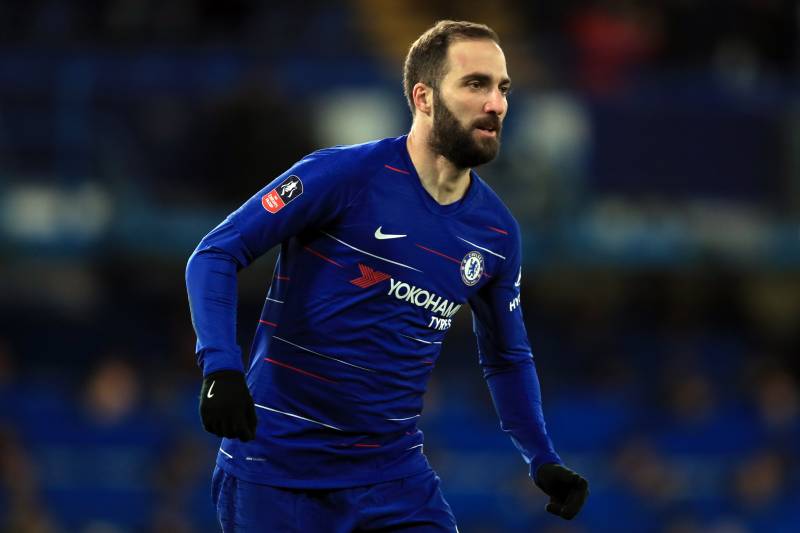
488, 126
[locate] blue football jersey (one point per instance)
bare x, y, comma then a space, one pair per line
370, 274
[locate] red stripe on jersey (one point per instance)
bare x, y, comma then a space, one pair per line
498, 230
273, 324
299, 370
401, 171
367, 445
453, 259
282, 278
328, 259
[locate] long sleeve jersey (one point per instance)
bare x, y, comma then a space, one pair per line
370, 273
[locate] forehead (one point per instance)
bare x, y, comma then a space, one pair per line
484, 56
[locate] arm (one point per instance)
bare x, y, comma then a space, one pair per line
306, 195
507, 363
212, 288
318, 195
505, 358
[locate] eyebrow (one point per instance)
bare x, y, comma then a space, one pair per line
483, 77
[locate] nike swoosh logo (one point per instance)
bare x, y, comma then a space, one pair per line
380, 235
209, 395
519, 278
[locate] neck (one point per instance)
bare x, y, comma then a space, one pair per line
443, 181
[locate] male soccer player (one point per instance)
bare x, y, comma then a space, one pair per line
380, 245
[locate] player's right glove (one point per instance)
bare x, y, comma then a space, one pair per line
567, 490
226, 406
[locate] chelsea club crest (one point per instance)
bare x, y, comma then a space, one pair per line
471, 268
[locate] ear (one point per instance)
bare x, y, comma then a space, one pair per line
422, 95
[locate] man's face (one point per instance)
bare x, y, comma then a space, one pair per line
470, 104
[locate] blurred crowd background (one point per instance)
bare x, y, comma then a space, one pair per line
651, 155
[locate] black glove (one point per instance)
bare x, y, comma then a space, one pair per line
567, 490
226, 406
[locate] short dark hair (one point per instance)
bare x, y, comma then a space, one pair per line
427, 57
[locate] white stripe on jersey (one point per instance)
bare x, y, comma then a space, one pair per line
274, 300
322, 355
371, 255
229, 456
401, 419
482, 248
297, 416
420, 340
416, 446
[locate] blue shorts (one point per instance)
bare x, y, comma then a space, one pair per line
414, 504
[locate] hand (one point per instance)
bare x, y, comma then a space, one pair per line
567, 490
226, 406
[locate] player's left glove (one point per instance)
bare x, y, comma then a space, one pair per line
567, 490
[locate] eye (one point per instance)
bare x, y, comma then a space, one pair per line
475, 84
505, 89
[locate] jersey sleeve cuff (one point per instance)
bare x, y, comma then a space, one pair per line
214, 362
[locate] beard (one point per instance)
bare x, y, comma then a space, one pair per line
458, 144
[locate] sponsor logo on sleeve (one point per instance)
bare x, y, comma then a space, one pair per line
513, 304
471, 268
287, 191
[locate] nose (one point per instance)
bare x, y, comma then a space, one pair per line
496, 103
